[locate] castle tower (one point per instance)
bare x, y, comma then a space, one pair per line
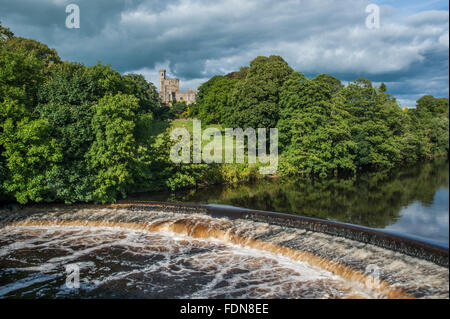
162, 78
162, 84
162, 74
169, 90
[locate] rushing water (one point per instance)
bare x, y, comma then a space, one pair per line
156, 251
117, 262
143, 251
412, 201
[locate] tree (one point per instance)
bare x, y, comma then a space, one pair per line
75, 84
21, 74
428, 127
67, 102
377, 124
144, 91
431, 105
239, 75
319, 140
38, 49
179, 108
439, 136
289, 104
213, 102
255, 99
78, 134
30, 154
112, 154
70, 126
5, 33
334, 83
20, 77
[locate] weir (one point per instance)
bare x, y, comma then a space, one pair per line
408, 268
408, 245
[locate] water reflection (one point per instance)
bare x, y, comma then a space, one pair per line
427, 221
411, 201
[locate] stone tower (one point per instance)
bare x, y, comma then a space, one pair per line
162, 77
169, 90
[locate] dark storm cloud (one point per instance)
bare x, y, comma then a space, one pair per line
195, 39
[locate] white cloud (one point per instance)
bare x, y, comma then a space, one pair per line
196, 39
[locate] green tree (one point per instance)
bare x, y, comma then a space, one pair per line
178, 108
112, 154
75, 84
144, 91
377, 124
333, 82
70, 125
238, 75
289, 103
75, 133
21, 74
320, 136
5, 33
67, 103
439, 136
30, 154
255, 98
433, 106
213, 102
428, 124
38, 49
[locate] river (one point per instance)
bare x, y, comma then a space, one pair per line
119, 251
412, 201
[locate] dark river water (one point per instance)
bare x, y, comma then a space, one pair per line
38, 259
123, 263
412, 201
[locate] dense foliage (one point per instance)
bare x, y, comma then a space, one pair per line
74, 133
326, 128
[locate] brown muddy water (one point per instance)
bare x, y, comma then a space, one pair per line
125, 251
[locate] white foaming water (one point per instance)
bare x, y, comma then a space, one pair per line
118, 262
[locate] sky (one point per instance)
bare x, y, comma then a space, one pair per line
197, 39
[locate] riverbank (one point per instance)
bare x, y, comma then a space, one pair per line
411, 201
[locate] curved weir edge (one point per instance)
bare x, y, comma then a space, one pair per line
407, 245
224, 224
203, 231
